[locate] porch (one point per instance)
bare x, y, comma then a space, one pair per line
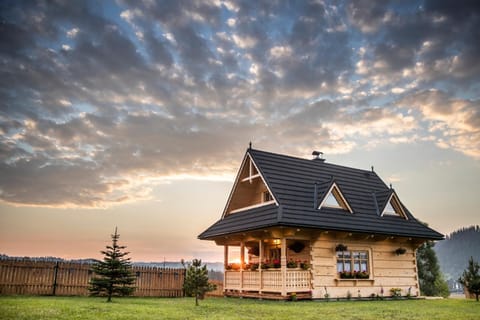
269, 268
268, 283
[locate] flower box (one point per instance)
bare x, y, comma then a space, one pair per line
347, 275
253, 266
362, 275
292, 264
354, 275
304, 265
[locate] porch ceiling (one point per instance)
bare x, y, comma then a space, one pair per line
263, 234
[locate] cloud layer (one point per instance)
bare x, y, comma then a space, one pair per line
100, 100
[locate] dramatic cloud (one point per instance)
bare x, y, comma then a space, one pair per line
454, 122
101, 100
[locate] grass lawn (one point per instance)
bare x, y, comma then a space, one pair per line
20, 307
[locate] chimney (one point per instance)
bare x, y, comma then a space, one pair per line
318, 155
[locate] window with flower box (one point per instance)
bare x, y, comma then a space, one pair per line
353, 264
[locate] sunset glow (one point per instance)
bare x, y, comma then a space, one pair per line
137, 114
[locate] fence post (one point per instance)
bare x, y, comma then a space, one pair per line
183, 284
55, 273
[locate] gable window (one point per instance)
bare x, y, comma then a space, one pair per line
332, 202
352, 261
250, 189
335, 199
389, 209
267, 197
394, 208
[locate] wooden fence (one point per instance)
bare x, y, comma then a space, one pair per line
26, 277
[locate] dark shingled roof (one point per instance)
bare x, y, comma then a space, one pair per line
292, 182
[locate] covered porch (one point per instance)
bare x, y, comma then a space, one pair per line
272, 264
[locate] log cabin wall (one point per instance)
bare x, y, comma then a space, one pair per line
387, 269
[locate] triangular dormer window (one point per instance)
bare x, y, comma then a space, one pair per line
250, 189
331, 201
394, 208
335, 199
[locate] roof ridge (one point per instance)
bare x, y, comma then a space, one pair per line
310, 160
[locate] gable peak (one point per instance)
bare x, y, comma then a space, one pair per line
250, 189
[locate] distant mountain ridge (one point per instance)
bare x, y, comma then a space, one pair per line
454, 252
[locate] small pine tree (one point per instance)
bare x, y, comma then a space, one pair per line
471, 278
196, 280
114, 273
431, 280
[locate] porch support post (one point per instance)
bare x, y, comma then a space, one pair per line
242, 263
225, 257
225, 264
260, 260
283, 261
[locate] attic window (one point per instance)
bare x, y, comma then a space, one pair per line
332, 202
335, 199
267, 197
389, 209
393, 207
250, 189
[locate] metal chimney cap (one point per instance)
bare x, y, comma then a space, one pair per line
318, 155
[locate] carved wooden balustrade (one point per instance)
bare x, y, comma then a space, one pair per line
268, 281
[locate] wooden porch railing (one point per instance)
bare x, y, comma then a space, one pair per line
271, 281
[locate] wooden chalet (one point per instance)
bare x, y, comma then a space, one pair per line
316, 230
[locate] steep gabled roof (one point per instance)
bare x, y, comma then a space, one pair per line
298, 186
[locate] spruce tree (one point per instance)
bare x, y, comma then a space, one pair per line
196, 280
471, 278
114, 276
431, 280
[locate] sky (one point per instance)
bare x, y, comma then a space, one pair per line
137, 114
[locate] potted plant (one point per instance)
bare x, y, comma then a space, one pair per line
276, 263
341, 247
347, 275
267, 265
253, 266
305, 265
362, 275
400, 251
292, 264
396, 292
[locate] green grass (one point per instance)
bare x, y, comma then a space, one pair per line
20, 307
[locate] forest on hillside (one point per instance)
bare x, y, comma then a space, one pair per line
453, 252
